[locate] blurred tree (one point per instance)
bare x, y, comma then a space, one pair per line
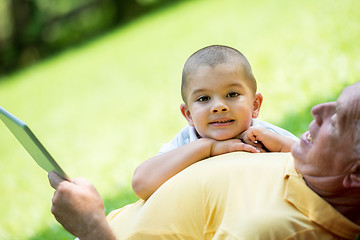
39, 28
24, 34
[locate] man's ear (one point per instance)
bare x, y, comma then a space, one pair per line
352, 180
257, 104
186, 113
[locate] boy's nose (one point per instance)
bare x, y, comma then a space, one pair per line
220, 107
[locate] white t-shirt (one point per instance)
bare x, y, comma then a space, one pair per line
188, 135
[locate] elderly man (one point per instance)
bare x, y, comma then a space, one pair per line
312, 193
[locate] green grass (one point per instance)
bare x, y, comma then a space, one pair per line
103, 108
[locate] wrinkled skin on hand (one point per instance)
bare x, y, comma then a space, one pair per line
77, 205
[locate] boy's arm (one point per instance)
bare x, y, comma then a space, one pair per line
273, 142
151, 174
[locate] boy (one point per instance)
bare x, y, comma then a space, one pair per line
220, 103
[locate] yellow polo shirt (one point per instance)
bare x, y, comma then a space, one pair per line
234, 196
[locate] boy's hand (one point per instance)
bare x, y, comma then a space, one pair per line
231, 145
272, 142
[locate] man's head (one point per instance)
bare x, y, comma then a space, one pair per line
219, 92
328, 155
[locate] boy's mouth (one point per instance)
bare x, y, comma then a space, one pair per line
222, 122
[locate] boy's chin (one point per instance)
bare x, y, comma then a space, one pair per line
219, 136
224, 137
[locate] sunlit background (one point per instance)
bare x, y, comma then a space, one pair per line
99, 83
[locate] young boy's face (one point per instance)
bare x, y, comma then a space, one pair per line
220, 103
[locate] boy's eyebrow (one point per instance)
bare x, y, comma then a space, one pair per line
204, 89
237, 85
195, 91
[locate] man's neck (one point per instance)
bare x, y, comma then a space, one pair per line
345, 201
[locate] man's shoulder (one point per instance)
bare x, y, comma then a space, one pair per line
246, 163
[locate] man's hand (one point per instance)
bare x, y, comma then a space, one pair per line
231, 145
79, 208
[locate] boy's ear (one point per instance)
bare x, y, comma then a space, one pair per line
352, 180
257, 104
186, 113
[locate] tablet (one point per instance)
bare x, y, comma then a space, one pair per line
30, 142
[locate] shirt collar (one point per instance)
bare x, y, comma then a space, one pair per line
314, 207
192, 134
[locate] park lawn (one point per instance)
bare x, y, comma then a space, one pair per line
104, 107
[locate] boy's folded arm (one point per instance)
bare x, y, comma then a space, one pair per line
152, 173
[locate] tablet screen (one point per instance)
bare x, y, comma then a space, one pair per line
30, 142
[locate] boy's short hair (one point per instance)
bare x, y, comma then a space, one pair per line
212, 56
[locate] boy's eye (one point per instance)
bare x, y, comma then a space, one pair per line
233, 95
203, 99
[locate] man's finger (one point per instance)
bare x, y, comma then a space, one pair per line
55, 179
